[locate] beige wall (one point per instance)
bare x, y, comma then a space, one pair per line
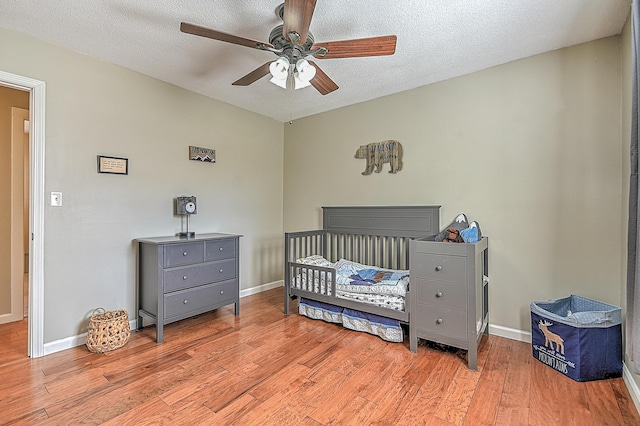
8, 98
530, 149
94, 108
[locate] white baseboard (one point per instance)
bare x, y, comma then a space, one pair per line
81, 339
66, 343
259, 289
632, 386
510, 333
73, 341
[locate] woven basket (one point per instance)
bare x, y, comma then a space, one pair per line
108, 330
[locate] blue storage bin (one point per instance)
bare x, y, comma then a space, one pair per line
579, 337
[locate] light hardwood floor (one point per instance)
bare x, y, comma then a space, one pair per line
263, 368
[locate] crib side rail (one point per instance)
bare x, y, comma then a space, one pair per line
299, 245
302, 244
385, 251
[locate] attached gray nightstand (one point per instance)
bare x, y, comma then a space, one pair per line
449, 295
179, 278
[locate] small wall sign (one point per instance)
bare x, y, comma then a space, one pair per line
202, 154
113, 165
378, 153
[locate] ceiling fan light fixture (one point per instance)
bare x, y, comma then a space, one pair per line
304, 70
299, 83
282, 82
279, 70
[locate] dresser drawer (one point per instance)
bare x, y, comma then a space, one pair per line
199, 298
205, 273
442, 321
441, 267
183, 254
441, 293
219, 249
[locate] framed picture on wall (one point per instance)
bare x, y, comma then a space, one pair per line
113, 165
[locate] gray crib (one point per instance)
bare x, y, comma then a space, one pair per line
389, 237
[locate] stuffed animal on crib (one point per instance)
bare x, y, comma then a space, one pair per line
378, 153
453, 236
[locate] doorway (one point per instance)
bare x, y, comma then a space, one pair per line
36, 199
16, 265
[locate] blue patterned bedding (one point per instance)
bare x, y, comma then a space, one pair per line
386, 288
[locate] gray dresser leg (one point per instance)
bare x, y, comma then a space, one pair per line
472, 356
159, 334
413, 340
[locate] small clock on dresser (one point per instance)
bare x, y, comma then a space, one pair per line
186, 206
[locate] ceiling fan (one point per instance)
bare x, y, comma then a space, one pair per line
293, 43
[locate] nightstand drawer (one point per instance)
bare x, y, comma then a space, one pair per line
446, 322
195, 299
220, 249
205, 273
441, 293
441, 267
183, 254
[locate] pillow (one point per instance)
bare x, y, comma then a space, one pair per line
347, 268
316, 260
458, 224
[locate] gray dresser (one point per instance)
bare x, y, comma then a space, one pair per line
179, 278
449, 300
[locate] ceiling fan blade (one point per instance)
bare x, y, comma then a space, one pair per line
219, 35
253, 76
297, 18
322, 82
359, 47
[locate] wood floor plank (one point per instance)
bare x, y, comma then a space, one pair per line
283, 380
156, 412
238, 408
393, 406
495, 367
455, 403
352, 411
435, 387
323, 386
484, 407
601, 403
625, 403
189, 389
336, 403
35, 417
270, 369
545, 398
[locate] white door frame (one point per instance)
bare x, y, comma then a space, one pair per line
36, 91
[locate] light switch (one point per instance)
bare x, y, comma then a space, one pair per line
56, 199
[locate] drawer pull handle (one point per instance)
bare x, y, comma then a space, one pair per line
221, 291
184, 277
220, 249
439, 294
439, 321
438, 268
220, 270
184, 253
185, 302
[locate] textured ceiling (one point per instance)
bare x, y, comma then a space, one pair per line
437, 40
